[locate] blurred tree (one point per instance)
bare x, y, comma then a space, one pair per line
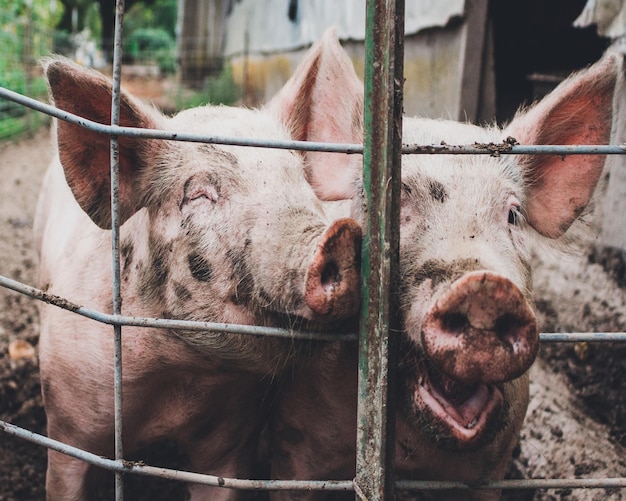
157, 14
164, 15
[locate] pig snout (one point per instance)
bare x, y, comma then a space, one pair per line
332, 279
479, 334
481, 330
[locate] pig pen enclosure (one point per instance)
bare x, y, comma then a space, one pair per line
576, 422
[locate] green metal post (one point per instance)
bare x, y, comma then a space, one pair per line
381, 183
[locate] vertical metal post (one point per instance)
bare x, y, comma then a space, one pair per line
115, 243
381, 182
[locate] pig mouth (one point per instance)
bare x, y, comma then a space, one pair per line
460, 416
479, 333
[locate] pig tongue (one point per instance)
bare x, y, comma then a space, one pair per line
463, 403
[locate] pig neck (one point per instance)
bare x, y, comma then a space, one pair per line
317, 416
178, 373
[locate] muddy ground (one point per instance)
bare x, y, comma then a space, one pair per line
576, 424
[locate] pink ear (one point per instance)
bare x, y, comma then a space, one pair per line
84, 154
323, 101
578, 111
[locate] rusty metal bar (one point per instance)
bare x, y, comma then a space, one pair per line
529, 483
252, 330
140, 468
381, 184
115, 246
168, 323
493, 149
305, 485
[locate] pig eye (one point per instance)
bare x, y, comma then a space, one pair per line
200, 194
206, 193
514, 215
200, 188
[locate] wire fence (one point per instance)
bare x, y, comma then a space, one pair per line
25, 37
383, 18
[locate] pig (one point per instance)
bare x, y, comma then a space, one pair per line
208, 233
468, 329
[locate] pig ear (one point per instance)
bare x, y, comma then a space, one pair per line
323, 101
85, 154
578, 111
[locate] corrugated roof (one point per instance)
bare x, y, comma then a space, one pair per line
283, 25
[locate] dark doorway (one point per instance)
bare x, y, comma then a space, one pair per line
535, 44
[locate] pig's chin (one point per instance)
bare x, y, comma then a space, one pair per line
455, 415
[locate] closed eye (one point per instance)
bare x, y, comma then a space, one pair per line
201, 187
199, 195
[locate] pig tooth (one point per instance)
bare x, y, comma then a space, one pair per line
472, 423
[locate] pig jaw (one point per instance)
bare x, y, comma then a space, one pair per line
467, 425
478, 334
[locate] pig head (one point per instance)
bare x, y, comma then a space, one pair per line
468, 331
208, 233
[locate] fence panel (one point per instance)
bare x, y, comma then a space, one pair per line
381, 154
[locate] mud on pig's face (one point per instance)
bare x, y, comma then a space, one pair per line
467, 223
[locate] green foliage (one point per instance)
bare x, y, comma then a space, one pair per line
160, 14
41, 13
166, 60
62, 42
152, 45
137, 17
220, 89
25, 31
165, 15
93, 21
150, 34
16, 119
149, 41
26, 121
25, 36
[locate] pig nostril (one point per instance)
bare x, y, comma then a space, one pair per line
330, 275
506, 328
454, 323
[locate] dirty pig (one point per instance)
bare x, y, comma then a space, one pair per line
468, 330
208, 233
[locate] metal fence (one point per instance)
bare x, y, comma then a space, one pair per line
382, 150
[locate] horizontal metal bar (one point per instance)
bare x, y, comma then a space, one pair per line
198, 478
328, 485
165, 323
252, 330
173, 135
530, 483
492, 149
497, 149
578, 337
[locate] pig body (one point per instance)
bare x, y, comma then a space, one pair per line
468, 331
210, 233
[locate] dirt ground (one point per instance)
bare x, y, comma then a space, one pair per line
576, 424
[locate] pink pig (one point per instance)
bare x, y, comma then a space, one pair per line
469, 332
210, 233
